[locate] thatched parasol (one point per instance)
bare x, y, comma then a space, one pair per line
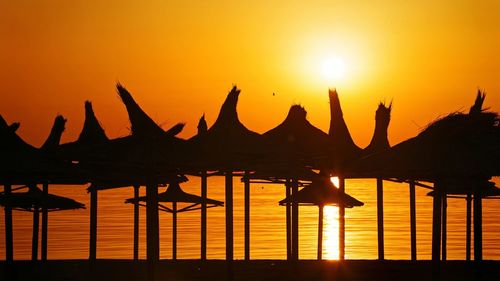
174, 194
22, 163
227, 146
296, 142
25, 164
380, 141
321, 192
341, 140
54, 138
33, 200
155, 154
295, 145
457, 147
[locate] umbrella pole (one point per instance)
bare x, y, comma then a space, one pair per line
443, 232
320, 233
436, 224
34, 241
247, 216
9, 249
295, 222
93, 225
288, 222
478, 225
44, 223
413, 222
203, 254
152, 224
341, 220
174, 231
136, 222
380, 218
468, 228
229, 216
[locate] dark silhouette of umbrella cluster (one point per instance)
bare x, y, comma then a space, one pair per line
457, 153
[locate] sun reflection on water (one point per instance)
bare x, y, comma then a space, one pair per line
331, 233
331, 229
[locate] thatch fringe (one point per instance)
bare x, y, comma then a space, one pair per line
56, 132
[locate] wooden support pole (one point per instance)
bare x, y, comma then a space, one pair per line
152, 224
320, 232
443, 231
136, 222
203, 238
247, 217
9, 244
380, 218
478, 228
468, 227
174, 231
93, 225
229, 217
413, 222
341, 220
45, 221
288, 192
436, 224
34, 241
295, 223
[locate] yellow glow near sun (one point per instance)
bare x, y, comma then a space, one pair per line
333, 69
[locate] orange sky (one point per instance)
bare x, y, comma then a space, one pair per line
180, 60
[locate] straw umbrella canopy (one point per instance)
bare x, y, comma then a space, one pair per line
32, 201
22, 163
34, 198
174, 194
345, 148
291, 149
113, 163
458, 147
25, 164
380, 141
321, 192
153, 155
296, 143
91, 136
227, 144
123, 161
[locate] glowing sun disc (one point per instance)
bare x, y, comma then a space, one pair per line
333, 69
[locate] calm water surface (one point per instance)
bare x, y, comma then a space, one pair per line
69, 230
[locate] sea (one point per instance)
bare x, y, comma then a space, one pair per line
68, 231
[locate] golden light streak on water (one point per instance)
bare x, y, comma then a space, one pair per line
331, 233
331, 229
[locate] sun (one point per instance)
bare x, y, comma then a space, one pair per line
333, 69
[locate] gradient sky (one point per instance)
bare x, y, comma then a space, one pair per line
180, 60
